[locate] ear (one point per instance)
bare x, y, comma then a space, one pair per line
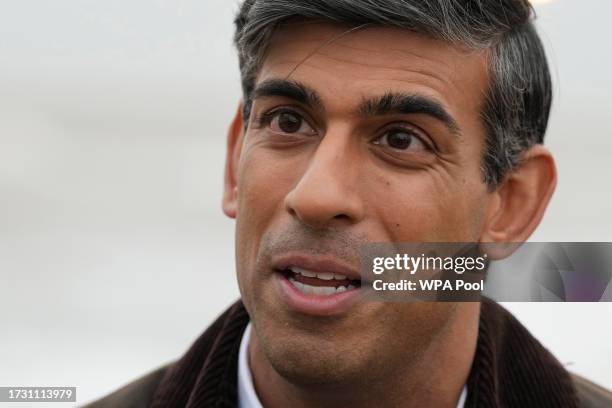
519, 202
235, 136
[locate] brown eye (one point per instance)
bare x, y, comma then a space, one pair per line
289, 122
402, 140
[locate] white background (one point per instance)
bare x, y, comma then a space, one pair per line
114, 253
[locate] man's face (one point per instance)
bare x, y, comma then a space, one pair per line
374, 137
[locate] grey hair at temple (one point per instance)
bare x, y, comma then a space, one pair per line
519, 95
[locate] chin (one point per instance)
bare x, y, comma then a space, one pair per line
314, 355
309, 366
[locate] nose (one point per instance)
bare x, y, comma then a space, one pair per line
327, 193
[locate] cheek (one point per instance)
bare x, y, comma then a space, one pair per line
263, 183
421, 208
264, 180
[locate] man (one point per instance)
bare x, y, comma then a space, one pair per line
375, 121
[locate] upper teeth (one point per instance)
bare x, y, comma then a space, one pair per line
319, 275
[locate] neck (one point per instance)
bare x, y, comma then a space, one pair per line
435, 378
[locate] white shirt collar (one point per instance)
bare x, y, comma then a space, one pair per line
247, 397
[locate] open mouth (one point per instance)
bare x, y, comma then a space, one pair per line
319, 283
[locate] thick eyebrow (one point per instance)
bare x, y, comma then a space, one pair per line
289, 89
393, 103
389, 103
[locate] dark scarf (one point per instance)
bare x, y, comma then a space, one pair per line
510, 369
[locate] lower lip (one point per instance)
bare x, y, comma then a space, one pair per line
317, 305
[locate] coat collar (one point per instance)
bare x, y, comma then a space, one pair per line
510, 368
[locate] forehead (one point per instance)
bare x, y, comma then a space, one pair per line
345, 65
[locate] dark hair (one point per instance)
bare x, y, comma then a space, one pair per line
517, 104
